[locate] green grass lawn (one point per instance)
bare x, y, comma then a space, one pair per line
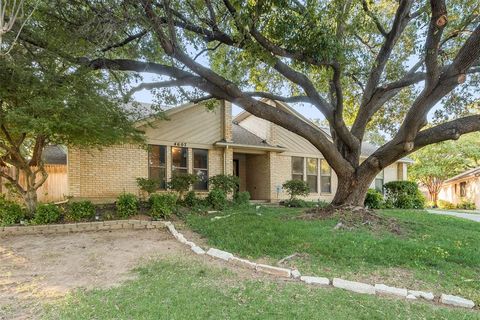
434, 253
177, 289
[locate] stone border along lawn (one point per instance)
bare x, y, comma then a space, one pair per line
358, 287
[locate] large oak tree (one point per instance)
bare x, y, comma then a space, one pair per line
363, 64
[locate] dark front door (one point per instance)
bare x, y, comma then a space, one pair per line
236, 171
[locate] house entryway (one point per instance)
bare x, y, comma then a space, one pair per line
253, 173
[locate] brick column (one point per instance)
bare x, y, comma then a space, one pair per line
226, 107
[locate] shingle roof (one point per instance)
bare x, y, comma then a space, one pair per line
54, 154
475, 172
241, 135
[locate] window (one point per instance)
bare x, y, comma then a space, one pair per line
297, 168
325, 177
312, 174
463, 189
200, 168
179, 160
379, 181
157, 156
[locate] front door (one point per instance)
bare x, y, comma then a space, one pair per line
236, 171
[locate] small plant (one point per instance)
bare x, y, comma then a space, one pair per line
374, 199
296, 188
217, 199
127, 205
181, 183
466, 204
46, 213
81, 211
296, 203
191, 199
148, 186
226, 183
242, 199
162, 205
10, 212
442, 204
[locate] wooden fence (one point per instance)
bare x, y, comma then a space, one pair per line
54, 189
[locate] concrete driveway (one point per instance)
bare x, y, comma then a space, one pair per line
469, 216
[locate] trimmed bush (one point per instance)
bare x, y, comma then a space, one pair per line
466, 205
127, 205
242, 199
374, 199
81, 211
226, 183
296, 188
404, 195
181, 183
217, 199
162, 205
148, 185
442, 204
10, 212
46, 213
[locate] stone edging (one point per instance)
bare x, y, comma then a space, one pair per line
358, 287
81, 226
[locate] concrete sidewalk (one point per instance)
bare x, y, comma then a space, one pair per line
469, 216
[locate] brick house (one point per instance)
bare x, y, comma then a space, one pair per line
207, 142
463, 187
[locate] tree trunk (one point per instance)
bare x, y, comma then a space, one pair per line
352, 190
31, 200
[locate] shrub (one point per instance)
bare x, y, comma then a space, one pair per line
127, 205
46, 213
296, 203
466, 205
191, 199
217, 199
404, 195
242, 199
374, 199
10, 212
148, 185
81, 211
181, 183
296, 188
162, 205
226, 183
442, 204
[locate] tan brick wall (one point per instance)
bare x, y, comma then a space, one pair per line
227, 120
108, 172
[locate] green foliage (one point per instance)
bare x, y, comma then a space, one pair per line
466, 204
10, 212
226, 183
442, 204
217, 199
46, 213
296, 188
242, 199
404, 195
80, 211
148, 185
181, 183
127, 205
162, 205
374, 199
191, 199
297, 203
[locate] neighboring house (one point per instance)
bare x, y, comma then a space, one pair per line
208, 143
465, 186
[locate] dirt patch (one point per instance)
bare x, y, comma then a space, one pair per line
352, 218
41, 267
